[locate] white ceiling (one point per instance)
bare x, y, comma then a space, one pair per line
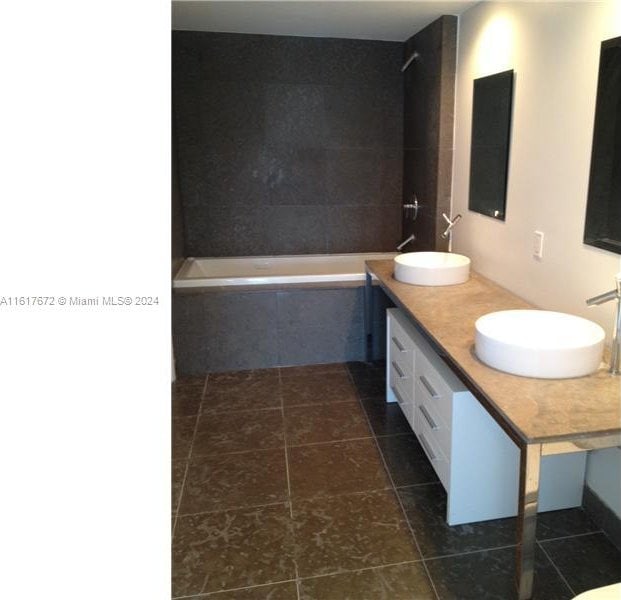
361, 19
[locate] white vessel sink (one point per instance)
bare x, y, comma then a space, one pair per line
539, 343
432, 268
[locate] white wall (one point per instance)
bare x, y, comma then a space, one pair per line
553, 49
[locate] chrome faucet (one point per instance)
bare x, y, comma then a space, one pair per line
451, 223
615, 353
406, 241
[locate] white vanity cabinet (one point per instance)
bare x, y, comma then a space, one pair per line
476, 461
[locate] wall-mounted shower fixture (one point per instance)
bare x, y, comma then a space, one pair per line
411, 209
409, 61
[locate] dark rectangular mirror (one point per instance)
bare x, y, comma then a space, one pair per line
602, 226
489, 150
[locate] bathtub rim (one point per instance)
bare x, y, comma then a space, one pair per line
182, 282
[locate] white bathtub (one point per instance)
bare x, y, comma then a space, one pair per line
270, 270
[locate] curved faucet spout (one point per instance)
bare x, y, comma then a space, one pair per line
615, 353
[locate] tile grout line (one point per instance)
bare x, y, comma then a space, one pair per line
566, 537
470, 552
394, 490
248, 507
217, 592
284, 435
221, 411
187, 460
556, 569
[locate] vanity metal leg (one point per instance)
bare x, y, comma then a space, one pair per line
368, 317
530, 462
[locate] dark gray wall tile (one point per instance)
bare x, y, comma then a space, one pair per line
224, 313
177, 237
292, 175
363, 228
361, 62
380, 303
230, 113
314, 345
220, 331
360, 116
294, 115
341, 309
428, 129
282, 121
295, 229
225, 231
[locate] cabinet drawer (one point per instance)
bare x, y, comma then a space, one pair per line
404, 400
399, 335
438, 429
403, 384
438, 461
433, 389
403, 357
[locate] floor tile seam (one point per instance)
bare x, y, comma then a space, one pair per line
236, 452
610, 539
220, 411
403, 511
326, 372
322, 497
325, 443
204, 387
469, 552
344, 571
297, 575
180, 497
567, 537
287, 471
385, 435
242, 410
557, 569
228, 590
234, 508
237, 589
315, 404
185, 476
415, 485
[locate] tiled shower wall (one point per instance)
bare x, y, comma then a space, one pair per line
176, 218
428, 130
288, 145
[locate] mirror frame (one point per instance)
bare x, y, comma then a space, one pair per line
492, 107
602, 224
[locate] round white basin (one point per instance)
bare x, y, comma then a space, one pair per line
432, 268
539, 343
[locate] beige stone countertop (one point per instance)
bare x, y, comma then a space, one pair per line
535, 410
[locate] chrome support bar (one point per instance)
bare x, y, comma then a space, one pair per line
530, 459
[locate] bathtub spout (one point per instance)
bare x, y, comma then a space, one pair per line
406, 241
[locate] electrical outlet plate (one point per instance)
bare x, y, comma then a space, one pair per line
538, 244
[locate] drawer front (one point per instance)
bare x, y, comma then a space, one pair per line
404, 400
399, 335
402, 357
403, 384
426, 408
433, 390
434, 454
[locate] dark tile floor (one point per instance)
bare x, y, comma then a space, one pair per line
301, 483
